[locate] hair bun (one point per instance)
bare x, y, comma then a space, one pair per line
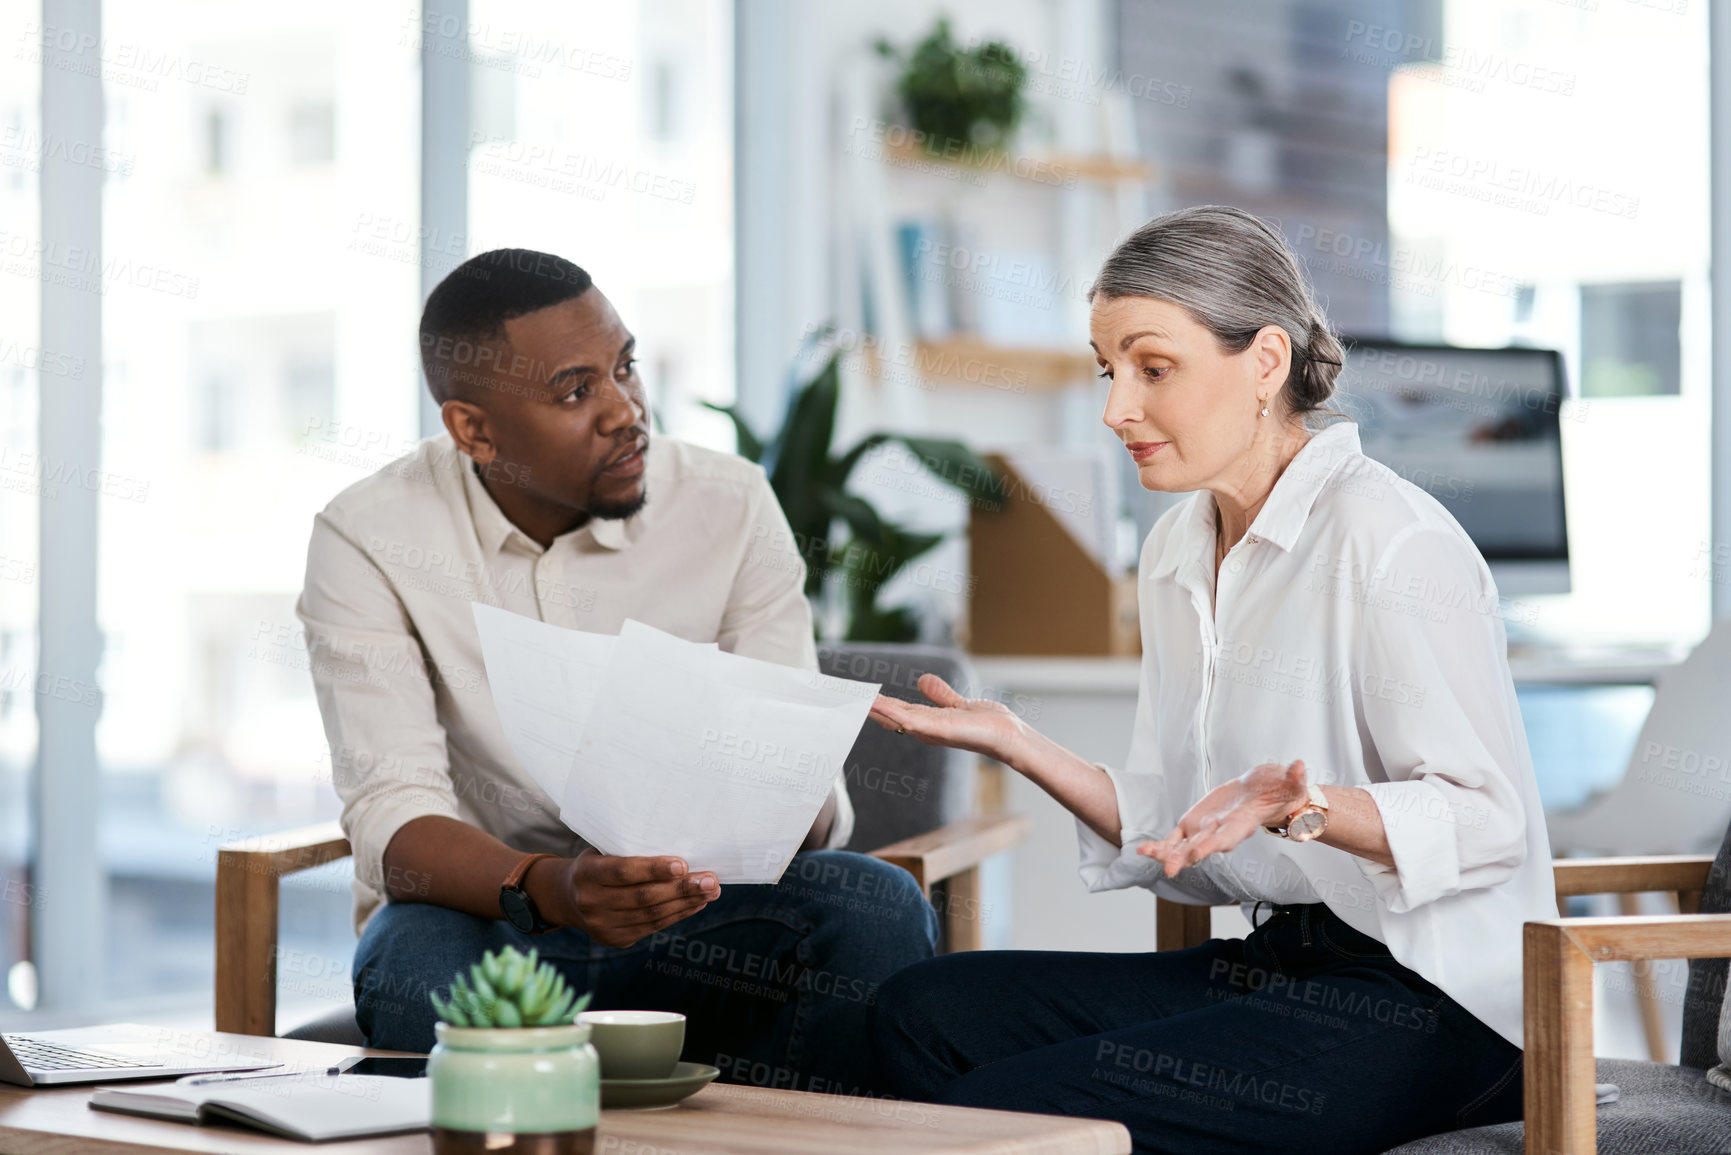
1323, 356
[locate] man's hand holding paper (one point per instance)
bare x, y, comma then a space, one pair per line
618, 901
652, 745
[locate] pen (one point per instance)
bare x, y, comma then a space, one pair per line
200, 1080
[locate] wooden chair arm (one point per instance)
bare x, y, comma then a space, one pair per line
1558, 977
247, 876
1682, 874
1641, 937
1181, 925
950, 850
286, 852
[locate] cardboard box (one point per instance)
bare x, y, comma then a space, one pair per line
1036, 590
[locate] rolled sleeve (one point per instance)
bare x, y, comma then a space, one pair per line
1139, 790
1107, 867
389, 763
1144, 813
1426, 853
1433, 690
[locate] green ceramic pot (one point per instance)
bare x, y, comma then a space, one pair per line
514, 1089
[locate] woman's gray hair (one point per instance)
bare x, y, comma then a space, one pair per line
1234, 274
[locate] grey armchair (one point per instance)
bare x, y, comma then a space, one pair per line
1661, 1109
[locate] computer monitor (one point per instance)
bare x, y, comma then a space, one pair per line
1479, 430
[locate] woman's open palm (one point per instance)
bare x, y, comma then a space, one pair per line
977, 724
1229, 814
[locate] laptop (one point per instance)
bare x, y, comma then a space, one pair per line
125, 1051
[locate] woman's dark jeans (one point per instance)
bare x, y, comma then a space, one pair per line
1306, 1036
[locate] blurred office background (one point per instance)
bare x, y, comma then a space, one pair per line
280, 185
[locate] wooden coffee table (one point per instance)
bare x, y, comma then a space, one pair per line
719, 1120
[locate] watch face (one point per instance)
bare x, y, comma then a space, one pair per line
1307, 824
515, 904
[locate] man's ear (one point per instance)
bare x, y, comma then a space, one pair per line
466, 422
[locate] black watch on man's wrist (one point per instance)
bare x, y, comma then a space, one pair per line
519, 908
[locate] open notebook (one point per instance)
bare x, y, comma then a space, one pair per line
297, 1105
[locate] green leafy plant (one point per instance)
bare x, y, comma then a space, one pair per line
810, 482
968, 96
509, 989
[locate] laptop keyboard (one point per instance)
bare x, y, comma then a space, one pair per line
46, 1056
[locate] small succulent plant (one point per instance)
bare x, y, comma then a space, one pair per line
509, 990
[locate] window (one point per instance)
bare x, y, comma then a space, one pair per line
663, 94
259, 294
214, 414
216, 143
309, 395
1631, 340
25, 367
1532, 201
276, 323
312, 133
583, 168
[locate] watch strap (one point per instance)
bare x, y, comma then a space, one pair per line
1314, 799
514, 880
515, 901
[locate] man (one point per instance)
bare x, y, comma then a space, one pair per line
548, 497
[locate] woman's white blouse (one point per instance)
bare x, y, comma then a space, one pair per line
1355, 627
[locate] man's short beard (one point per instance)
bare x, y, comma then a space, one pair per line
618, 510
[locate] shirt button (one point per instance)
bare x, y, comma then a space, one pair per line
1251, 539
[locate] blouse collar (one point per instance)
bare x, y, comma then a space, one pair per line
1283, 515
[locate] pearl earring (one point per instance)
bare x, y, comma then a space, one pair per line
1264, 412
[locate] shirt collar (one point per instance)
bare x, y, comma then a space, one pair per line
494, 529
1283, 515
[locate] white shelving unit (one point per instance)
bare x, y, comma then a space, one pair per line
1032, 223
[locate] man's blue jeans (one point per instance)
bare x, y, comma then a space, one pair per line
1306, 1036
776, 982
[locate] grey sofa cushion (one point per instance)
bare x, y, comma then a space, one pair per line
1663, 1110
899, 786
336, 1025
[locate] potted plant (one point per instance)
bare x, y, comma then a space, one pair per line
512, 1070
810, 481
962, 99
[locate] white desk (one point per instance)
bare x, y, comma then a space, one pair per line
1530, 665
1089, 705
1596, 666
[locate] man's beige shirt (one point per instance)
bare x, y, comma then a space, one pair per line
395, 562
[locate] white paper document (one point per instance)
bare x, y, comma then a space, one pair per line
653, 745
544, 682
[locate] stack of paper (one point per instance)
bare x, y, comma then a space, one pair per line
654, 745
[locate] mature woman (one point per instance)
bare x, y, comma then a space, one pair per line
1327, 734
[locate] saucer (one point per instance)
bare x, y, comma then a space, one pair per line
637, 1094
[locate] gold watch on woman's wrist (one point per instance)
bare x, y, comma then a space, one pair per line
1308, 821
